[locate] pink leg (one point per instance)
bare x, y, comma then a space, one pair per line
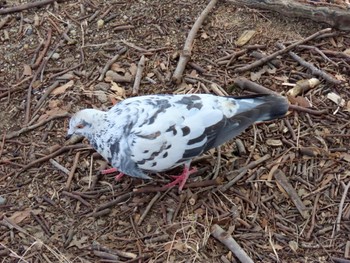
181, 179
109, 171
113, 170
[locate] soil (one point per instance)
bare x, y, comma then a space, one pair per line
94, 218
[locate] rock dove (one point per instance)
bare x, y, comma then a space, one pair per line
154, 133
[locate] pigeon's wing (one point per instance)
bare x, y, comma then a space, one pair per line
188, 125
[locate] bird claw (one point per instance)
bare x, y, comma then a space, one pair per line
181, 179
113, 170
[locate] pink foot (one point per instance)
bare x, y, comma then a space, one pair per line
113, 170
181, 179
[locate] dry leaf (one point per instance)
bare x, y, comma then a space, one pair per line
18, 216
27, 70
63, 88
204, 35
52, 112
178, 245
245, 37
345, 157
293, 245
79, 243
133, 69
117, 68
119, 91
348, 106
347, 51
273, 142
301, 101
336, 99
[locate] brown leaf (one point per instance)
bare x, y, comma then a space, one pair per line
63, 88
245, 37
18, 216
79, 243
27, 70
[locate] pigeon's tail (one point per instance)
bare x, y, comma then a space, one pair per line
263, 107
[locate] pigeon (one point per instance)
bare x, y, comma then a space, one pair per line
155, 133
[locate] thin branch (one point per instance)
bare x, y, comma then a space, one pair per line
138, 76
186, 52
314, 71
25, 6
34, 126
230, 243
262, 61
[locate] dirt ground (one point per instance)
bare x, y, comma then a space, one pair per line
45, 217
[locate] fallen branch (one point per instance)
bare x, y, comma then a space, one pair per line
25, 6
186, 52
230, 243
148, 208
34, 126
266, 59
234, 177
53, 155
138, 76
341, 205
314, 71
292, 193
337, 18
246, 84
72, 171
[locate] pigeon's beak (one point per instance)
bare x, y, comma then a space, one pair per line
68, 136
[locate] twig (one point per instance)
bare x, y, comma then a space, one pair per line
72, 171
43, 53
34, 126
2, 143
186, 52
230, 243
313, 217
307, 110
340, 211
77, 197
25, 6
110, 62
41, 223
314, 71
119, 199
246, 84
150, 189
149, 206
52, 155
138, 76
232, 175
262, 61
283, 181
59, 166
46, 94
317, 50
134, 46
4, 21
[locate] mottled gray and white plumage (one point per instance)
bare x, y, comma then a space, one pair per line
158, 132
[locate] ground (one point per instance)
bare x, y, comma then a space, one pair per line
45, 217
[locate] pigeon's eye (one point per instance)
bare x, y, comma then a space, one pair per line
80, 126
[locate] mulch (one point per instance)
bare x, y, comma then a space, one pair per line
276, 193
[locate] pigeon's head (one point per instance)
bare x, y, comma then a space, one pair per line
85, 123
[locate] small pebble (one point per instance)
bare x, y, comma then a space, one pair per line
55, 56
